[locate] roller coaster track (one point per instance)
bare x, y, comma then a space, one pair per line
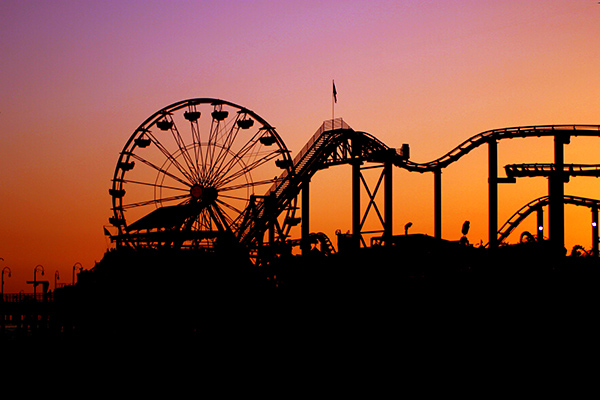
335, 143
511, 224
529, 170
499, 134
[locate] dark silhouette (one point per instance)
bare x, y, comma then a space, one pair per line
207, 256
465, 228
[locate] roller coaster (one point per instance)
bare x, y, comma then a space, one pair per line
207, 173
537, 206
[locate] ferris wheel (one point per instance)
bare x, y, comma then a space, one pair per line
191, 174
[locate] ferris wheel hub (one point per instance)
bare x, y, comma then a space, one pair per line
196, 191
205, 194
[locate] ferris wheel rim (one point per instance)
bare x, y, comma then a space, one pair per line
128, 151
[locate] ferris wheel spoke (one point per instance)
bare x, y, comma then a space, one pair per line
247, 168
217, 218
229, 206
159, 169
220, 207
204, 220
225, 149
219, 136
241, 154
234, 163
208, 219
225, 168
197, 142
183, 150
230, 197
198, 222
212, 143
249, 145
154, 201
156, 185
247, 185
170, 157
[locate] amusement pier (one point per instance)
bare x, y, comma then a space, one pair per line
208, 188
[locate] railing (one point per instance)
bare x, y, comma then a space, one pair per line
26, 297
283, 182
545, 169
328, 125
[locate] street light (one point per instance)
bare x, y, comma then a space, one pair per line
35, 278
5, 269
75, 267
56, 277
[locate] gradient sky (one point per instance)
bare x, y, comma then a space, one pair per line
78, 77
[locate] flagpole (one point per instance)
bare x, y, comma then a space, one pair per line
333, 101
332, 104
332, 109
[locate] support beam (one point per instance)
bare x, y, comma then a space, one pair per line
356, 174
556, 195
388, 202
595, 230
540, 223
305, 228
493, 193
270, 208
437, 196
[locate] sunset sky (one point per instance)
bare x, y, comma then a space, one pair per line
78, 77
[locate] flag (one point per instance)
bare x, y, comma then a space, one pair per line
334, 93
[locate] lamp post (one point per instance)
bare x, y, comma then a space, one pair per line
35, 278
5, 269
75, 267
56, 277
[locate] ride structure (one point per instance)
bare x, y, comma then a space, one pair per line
193, 175
181, 182
557, 172
537, 206
207, 173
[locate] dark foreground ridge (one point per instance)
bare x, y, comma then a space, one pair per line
198, 295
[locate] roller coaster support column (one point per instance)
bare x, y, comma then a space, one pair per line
437, 195
269, 210
540, 223
356, 174
493, 193
388, 205
493, 181
556, 194
305, 244
595, 230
